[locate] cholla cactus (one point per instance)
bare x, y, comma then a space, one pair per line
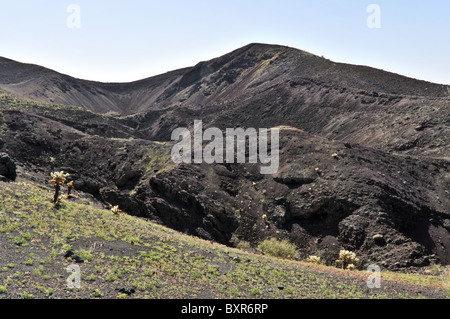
115, 210
313, 259
266, 221
348, 259
69, 188
58, 178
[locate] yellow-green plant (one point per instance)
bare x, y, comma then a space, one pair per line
58, 178
446, 280
351, 267
115, 210
282, 249
313, 259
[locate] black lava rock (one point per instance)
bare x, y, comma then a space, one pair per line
7, 167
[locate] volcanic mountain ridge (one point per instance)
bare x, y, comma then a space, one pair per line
383, 194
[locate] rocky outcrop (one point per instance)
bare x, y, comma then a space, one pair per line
356, 201
7, 167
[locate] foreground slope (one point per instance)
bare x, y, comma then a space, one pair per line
121, 256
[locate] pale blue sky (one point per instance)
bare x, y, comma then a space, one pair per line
121, 41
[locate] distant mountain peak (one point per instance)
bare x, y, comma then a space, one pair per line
242, 72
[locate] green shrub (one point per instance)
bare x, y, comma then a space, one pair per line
276, 248
27, 295
48, 291
446, 280
434, 269
86, 255
256, 292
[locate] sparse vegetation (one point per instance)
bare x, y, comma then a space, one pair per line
48, 291
278, 248
161, 263
256, 292
435, 269
446, 280
27, 295
85, 255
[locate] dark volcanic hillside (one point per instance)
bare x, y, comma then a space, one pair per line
353, 197
47, 86
240, 74
262, 86
391, 135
